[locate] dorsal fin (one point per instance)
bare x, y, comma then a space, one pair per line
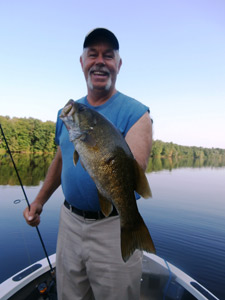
142, 187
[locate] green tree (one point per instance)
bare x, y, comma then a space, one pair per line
28, 135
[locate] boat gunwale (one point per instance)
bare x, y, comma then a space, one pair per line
10, 287
182, 278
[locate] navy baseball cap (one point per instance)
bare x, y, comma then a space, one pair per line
101, 34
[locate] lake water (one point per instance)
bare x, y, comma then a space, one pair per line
186, 219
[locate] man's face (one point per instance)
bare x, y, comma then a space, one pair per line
100, 64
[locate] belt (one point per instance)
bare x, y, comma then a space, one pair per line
94, 215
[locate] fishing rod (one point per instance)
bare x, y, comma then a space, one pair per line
25, 195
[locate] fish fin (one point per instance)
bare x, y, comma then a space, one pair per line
142, 185
83, 165
105, 204
88, 139
134, 238
75, 157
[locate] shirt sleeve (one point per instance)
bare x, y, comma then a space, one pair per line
133, 111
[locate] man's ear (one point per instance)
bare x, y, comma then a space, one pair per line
81, 62
120, 64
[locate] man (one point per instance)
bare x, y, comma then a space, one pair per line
89, 262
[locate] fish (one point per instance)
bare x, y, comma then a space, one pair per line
105, 155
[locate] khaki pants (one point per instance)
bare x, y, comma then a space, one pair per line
89, 263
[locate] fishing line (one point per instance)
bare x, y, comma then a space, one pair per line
169, 280
25, 195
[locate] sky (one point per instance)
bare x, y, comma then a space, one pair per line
173, 54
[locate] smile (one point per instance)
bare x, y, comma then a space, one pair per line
100, 73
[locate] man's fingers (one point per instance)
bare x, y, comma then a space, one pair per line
35, 221
32, 216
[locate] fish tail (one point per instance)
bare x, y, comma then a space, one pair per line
137, 237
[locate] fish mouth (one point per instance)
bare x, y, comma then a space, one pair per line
68, 110
67, 114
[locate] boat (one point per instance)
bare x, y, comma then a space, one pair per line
160, 281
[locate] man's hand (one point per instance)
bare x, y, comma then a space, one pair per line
32, 216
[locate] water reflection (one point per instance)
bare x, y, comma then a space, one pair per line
33, 167
158, 163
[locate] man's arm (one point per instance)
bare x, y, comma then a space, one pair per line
139, 139
51, 183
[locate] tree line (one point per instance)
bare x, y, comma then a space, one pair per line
162, 149
27, 135
32, 136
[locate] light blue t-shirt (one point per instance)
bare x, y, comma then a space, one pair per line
78, 187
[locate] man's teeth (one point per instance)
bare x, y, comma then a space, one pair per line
99, 73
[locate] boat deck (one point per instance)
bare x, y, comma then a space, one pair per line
157, 283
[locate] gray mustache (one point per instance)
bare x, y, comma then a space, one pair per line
99, 69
